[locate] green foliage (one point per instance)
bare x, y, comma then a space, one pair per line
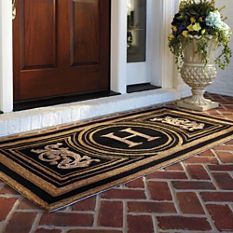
200, 20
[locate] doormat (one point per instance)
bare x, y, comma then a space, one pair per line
55, 168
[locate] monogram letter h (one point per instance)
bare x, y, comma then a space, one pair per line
133, 134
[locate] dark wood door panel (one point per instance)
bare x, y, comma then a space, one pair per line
38, 33
86, 41
61, 47
72, 84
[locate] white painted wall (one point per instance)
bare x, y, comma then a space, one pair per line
224, 82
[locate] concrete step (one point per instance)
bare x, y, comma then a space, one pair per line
38, 118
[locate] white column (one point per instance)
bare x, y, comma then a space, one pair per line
170, 75
6, 59
119, 46
168, 9
154, 40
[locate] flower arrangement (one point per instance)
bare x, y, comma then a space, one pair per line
202, 21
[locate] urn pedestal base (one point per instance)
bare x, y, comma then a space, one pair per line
197, 101
188, 103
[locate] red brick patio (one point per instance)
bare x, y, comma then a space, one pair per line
192, 196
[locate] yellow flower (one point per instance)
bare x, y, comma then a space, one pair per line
203, 31
190, 27
196, 27
185, 33
171, 37
201, 19
174, 28
193, 20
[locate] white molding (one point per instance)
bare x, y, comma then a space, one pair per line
118, 46
154, 28
6, 59
168, 77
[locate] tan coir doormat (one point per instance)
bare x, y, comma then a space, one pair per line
56, 168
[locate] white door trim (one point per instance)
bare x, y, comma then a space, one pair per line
118, 46
6, 59
167, 66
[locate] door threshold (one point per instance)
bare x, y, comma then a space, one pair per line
141, 87
25, 105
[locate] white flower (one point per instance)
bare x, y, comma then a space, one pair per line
226, 30
213, 19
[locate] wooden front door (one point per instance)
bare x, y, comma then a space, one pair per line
61, 47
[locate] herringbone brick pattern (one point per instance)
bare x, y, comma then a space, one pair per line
195, 195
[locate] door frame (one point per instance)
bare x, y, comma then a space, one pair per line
118, 74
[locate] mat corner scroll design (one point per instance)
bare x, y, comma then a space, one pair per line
180, 122
54, 154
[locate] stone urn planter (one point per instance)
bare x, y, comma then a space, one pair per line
197, 31
198, 75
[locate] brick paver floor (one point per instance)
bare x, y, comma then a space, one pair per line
195, 195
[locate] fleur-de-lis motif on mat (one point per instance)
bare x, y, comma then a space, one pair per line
54, 154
